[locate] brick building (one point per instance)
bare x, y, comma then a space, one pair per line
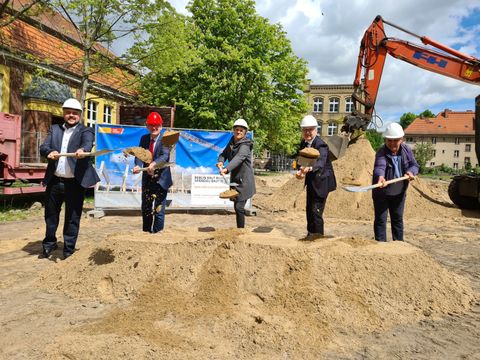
452, 134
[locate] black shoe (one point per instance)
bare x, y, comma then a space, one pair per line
47, 252
312, 237
66, 256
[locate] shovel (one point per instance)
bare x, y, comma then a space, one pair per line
85, 154
370, 187
159, 165
226, 181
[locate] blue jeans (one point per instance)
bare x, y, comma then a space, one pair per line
154, 200
394, 205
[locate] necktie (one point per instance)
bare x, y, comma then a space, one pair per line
152, 144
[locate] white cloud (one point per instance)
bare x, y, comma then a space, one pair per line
330, 43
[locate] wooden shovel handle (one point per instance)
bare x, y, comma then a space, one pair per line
404, 177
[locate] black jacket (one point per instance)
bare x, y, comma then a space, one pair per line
160, 153
82, 138
322, 178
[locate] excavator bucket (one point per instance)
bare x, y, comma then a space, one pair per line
337, 145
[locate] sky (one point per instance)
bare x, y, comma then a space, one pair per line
327, 34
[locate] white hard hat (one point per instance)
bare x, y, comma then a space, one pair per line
393, 131
240, 122
308, 121
72, 104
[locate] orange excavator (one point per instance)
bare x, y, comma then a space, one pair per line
464, 190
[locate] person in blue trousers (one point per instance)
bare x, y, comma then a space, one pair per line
393, 160
155, 182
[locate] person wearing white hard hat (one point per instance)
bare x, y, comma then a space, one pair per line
66, 178
238, 153
393, 160
319, 178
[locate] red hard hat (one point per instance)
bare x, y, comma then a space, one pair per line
154, 118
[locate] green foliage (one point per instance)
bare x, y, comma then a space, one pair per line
407, 118
229, 63
423, 154
375, 138
104, 22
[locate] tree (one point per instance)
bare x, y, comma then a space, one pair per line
407, 118
423, 154
375, 138
236, 65
106, 21
11, 10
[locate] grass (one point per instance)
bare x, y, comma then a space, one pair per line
16, 208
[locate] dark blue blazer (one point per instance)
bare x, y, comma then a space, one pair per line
160, 153
82, 138
322, 178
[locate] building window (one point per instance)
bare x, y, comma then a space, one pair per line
434, 140
467, 161
457, 140
334, 105
319, 129
443, 151
107, 114
409, 139
456, 153
349, 105
468, 147
434, 152
317, 105
432, 163
332, 128
455, 166
92, 113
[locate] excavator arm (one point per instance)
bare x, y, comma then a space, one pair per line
375, 46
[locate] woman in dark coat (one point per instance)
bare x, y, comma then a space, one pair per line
238, 153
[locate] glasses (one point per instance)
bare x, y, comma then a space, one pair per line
308, 129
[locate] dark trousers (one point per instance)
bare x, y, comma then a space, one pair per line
239, 207
314, 211
389, 204
72, 193
154, 201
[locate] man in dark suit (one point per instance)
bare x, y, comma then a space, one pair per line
155, 182
66, 178
319, 178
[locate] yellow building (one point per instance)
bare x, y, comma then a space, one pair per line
329, 104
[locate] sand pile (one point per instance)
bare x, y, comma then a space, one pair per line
355, 168
230, 294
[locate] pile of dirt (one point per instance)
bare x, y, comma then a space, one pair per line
229, 294
355, 168
140, 153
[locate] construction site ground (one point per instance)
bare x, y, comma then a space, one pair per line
203, 289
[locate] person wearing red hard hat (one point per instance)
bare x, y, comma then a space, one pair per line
155, 182
66, 178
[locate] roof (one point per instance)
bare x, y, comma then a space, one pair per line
53, 40
46, 89
447, 122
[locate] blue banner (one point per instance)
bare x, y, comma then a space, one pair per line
195, 153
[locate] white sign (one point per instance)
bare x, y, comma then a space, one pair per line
206, 188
